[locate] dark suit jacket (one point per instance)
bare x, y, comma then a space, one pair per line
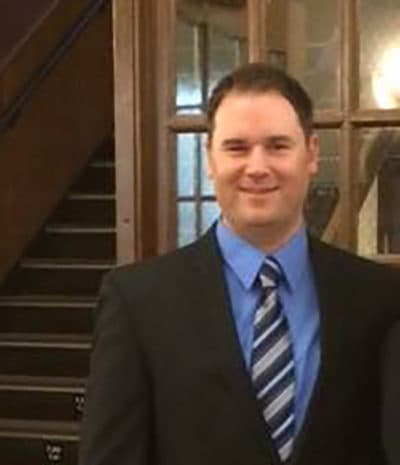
169, 385
391, 395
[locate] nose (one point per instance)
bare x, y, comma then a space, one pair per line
257, 162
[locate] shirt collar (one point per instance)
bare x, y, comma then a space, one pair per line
293, 258
245, 260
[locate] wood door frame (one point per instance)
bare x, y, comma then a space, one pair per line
135, 78
153, 78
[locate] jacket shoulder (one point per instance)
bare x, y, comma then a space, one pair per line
356, 266
164, 270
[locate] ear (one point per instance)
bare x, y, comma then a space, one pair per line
314, 153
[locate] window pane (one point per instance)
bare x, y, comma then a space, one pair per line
324, 193
211, 40
186, 222
188, 92
209, 213
380, 53
379, 191
225, 54
303, 37
187, 164
195, 198
207, 188
190, 159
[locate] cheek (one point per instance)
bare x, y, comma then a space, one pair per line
295, 180
228, 175
225, 187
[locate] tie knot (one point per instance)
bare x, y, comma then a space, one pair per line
270, 273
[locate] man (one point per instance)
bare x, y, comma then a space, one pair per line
256, 344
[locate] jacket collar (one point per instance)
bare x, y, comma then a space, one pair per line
331, 290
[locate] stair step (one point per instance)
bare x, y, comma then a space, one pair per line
71, 241
44, 314
67, 277
105, 152
44, 354
103, 164
86, 209
46, 309
42, 383
63, 430
82, 195
56, 264
44, 340
97, 178
41, 398
74, 230
25, 442
46, 300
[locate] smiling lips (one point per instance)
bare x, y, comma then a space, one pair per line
258, 190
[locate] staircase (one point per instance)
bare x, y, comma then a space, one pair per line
46, 306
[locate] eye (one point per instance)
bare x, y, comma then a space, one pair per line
279, 146
236, 149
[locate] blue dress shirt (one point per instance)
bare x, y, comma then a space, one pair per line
241, 264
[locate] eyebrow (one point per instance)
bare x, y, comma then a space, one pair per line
278, 138
233, 141
266, 140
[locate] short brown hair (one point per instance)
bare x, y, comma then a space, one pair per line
260, 78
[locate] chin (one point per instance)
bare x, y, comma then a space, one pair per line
260, 218
260, 221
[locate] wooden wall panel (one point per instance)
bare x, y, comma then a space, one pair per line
70, 114
17, 19
32, 50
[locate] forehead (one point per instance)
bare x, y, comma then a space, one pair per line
245, 113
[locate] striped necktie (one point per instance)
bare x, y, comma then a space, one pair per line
272, 364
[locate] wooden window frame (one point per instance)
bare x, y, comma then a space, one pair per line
156, 54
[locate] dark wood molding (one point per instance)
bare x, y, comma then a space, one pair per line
256, 29
31, 53
348, 166
187, 123
9, 117
166, 131
18, 21
376, 118
135, 128
328, 119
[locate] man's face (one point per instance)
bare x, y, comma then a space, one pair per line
261, 163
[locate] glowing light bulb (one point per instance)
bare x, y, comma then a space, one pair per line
386, 79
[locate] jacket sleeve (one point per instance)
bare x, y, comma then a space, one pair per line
116, 427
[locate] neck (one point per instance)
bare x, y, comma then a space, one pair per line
268, 239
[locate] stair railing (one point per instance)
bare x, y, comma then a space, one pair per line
9, 118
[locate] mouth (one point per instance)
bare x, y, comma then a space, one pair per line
258, 190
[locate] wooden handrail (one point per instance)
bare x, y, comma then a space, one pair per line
20, 26
63, 120
11, 115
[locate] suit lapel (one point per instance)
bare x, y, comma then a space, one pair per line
332, 288
212, 299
